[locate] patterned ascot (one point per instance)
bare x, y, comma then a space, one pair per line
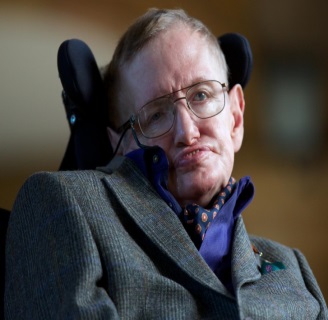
197, 219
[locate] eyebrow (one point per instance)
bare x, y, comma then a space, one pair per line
126, 124
198, 80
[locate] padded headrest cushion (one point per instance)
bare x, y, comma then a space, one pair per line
80, 77
238, 54
86, 107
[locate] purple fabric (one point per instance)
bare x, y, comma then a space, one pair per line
154, 165
217, 243
215, 248
197, 219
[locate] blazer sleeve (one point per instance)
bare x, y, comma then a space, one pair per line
311, 283
53, 266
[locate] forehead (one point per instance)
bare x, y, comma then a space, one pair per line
176, 58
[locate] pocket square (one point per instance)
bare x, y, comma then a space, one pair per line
268, 267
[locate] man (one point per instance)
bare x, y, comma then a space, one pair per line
126, 241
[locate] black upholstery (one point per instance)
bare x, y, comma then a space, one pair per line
85, 99
85, 102
238, 54
4, 218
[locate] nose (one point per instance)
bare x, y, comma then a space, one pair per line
186, 130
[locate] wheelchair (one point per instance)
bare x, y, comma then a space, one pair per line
85, 104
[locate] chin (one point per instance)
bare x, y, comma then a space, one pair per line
199, 193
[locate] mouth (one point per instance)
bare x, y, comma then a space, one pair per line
190, 154
191, 158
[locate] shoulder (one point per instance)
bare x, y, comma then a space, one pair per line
48, 182
269, 246
55, 200
291, 258
46, 192
82, 186
69, 177
295, 262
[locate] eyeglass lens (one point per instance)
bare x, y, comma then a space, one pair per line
205, 99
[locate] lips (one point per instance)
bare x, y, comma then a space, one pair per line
191, 156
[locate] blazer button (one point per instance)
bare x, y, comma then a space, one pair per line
155, 158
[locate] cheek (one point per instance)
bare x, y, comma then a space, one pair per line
216, 132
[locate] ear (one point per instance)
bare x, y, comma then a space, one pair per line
114, 138
237, 108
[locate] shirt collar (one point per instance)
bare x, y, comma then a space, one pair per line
155, 166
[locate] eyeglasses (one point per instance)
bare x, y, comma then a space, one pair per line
204, 99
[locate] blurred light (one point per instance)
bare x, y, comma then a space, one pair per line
293, 109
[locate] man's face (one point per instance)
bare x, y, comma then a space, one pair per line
200, 151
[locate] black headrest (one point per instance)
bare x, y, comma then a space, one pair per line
86, 108
85, 99
239, 58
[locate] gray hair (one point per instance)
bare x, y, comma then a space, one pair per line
140, 33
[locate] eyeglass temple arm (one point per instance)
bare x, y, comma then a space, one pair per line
140, 145
125, 127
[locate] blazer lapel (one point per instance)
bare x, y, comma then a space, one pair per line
160, 223
244, 263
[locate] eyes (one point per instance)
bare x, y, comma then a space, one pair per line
159, 109
156, 116
164, 108
204, 99
199, 96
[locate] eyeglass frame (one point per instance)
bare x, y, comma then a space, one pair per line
133, 118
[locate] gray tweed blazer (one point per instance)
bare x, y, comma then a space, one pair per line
103, 245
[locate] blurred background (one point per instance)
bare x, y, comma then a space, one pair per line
286, 118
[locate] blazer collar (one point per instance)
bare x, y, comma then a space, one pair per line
158, 221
